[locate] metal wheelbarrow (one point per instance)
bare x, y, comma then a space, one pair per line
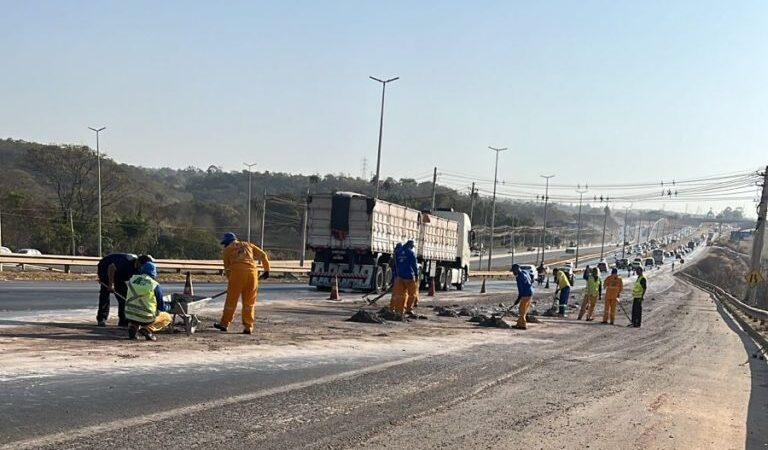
184, 310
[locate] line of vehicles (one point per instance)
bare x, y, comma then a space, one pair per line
21, 251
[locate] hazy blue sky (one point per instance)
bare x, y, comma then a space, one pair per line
593, 91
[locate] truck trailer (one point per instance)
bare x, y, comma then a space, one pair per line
353, 237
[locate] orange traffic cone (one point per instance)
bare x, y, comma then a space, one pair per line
335, 289
431, 291
482, 287
188, 285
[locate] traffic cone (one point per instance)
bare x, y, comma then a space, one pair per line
431, 291
188, 285
335, 289
482, 287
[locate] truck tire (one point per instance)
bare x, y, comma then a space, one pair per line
443, 279
379, 283
387, 276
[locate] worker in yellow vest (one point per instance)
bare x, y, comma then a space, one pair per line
638, 293
563, 288
145, 310
594, 290
613, 287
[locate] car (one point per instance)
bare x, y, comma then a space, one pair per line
568, 269
637, 262
622, 263
602, 265
30, 252
649, 262
5, 251
530, 268
530, 249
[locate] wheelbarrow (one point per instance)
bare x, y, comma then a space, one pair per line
184, 310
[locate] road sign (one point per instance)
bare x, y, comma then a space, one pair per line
754, 277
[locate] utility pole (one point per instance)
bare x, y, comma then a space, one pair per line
757, 246
381, 129
263, 216
98, 171
72, 231
605, 221
250, 197
624, 237
578, 229
544, 228
512, 247
304, 230
434, 185
472, 203
493, 202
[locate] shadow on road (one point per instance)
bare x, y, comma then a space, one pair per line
79, 331
757, 412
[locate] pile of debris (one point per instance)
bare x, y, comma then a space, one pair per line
384, 314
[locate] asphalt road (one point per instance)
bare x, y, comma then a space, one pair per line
684, 380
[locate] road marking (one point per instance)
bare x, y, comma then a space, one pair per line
205, 406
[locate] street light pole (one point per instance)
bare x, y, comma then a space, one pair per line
493, 202
381, 129
624, 237
544, 229
605, 221
578, 229
98, 172
250, 197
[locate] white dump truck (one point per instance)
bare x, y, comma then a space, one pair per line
354, 237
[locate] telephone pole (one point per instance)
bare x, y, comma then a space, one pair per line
434, 185
263, 216
381, 129
304, 230
624, 236
578, 229
544, 228
493, 202
98, 171
605, 221
250, 197
471, 204
757, 246
72, 231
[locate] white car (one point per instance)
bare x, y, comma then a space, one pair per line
530, 268
5, 251
30, 252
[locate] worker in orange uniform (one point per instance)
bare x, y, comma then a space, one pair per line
613, 287
408, 273
397, 286
242, 272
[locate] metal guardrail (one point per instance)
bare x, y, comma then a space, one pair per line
67, 262
750, 311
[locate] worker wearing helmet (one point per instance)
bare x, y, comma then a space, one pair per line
408, 273
241, 270
145, 310
613, 287
638, 293
564, 288
114, 271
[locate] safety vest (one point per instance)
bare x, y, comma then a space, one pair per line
593, 285
141, 304
562, 280
637, 290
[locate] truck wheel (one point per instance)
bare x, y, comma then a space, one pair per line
378, 280
443, 279
387, 276
459, 286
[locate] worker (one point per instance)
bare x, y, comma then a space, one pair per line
587, 273
114, 271
638, 293
564, 288
524, 294
541, 271
593, 292
145, 310
241, 270
397, 286
408, 273
613, 287
673, 265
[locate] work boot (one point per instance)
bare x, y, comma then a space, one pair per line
220, 327
247, 331
589, 319
101, 323
519, 327
132, 332
147, 334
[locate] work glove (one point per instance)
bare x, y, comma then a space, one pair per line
264, 275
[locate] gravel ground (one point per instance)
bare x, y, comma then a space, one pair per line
686, 379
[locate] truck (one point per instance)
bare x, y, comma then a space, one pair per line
658, 256
353, 237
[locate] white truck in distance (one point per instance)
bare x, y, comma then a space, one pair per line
354, 237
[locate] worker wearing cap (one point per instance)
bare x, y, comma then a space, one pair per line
638, 293
114, 271
397, 286
145, 310
524, 294
241, 269
613, 287
564, 288
593, 292
408, 273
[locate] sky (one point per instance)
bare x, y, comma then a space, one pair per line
590, 91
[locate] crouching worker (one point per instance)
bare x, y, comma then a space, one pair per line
144, 307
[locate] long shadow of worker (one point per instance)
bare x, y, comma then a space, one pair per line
67, 331
757, 411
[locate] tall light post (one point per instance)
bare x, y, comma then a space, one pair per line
544, 229
624, 236
493, 202
98, 172
250, 197
605, 222
578, 229
381, 128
